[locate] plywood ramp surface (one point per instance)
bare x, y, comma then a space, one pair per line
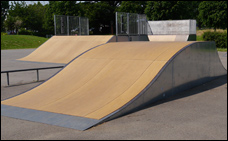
168, 37
100, 81
62, 49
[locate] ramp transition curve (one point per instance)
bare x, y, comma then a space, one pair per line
114, 79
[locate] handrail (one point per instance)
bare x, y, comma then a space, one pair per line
37, 70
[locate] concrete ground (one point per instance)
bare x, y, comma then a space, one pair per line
199, 113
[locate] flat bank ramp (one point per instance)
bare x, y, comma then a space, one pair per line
62, 49
114, 79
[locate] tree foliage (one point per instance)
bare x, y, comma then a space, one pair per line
171, 10
101, 14
9, 23
213, 14
31, 16
132, 7
4, 9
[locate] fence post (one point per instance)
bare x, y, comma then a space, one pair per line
128, 23
37, 71
55, 23
116, 28
87, 26
7, 74
68, 25
79, 19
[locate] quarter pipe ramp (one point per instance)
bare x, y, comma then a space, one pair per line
114, 79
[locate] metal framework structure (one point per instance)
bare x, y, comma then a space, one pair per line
71, 25
131, 24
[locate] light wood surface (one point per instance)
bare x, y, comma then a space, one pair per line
101, 81
168, 37
62, 49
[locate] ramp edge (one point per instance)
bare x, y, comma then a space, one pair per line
73, 122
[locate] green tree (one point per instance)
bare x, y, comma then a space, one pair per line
171, 10
35, 17
213, 14
32, 16
17, 24
4, 9
48, 24
132, 7
9, 23
101, 15
12, 23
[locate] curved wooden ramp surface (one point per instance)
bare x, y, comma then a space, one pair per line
116, 78
62, 49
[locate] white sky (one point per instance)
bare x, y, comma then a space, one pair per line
32, 2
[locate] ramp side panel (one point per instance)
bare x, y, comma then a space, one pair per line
62, 49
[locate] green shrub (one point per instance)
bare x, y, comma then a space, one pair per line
220, 38
23, 31
3, 33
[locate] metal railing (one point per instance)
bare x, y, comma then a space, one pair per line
37, 70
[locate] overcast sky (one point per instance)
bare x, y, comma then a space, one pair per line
32, 2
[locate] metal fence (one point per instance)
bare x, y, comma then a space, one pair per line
131, 24
71, 25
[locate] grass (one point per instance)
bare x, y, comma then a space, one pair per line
21, 41
222, 49
199, 37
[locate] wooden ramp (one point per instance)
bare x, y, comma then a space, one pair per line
62, 49
168, 37
113, 79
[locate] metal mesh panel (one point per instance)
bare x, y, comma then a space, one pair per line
131, 24
60, 25
71, 25
84, 26
121, 23
142, 24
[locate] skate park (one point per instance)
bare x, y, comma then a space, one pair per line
115, 53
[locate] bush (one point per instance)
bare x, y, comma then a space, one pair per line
3, 33
23, 31
220, 38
